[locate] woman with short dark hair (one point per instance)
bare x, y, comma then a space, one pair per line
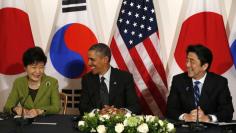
36, 92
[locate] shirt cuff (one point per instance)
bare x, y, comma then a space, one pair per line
95, 110
127, 110
214, 118
181, 117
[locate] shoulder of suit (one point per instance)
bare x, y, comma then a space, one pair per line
50, 78
181, 75
113, 70
21, 79
209, 74
89, 74
215, 76
121, 72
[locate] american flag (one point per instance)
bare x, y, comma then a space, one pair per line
135, 47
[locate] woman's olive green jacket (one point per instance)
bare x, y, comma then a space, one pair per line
47, 97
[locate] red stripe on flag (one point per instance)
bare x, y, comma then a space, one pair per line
121, 64
157, 34
148, 80
117, 56
145, 107
155, 59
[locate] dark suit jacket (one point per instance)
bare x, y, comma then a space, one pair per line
215, 97
121, 93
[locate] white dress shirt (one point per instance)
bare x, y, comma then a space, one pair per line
107, 76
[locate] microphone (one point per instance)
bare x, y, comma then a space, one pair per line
22, 120
197, 126
197, 119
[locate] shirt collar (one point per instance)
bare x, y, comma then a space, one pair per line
106, 75
200, 80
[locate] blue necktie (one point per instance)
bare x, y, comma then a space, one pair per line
196, 92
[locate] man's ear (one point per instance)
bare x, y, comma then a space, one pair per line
205, 66
106, 59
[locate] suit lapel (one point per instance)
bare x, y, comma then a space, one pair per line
42, 89
190, 92
28, 102
207, 85
113, 85
95, 90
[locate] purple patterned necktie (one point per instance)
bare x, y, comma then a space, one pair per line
196, 92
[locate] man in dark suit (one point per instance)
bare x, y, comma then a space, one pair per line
198, 88
118, 90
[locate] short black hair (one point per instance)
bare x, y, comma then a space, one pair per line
102, 49
34, 55
203, 53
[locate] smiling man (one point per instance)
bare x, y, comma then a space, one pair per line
199, 88
106, 86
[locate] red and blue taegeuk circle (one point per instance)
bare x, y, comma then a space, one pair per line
69, 47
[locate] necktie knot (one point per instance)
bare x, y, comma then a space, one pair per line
197, 82
102, 79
